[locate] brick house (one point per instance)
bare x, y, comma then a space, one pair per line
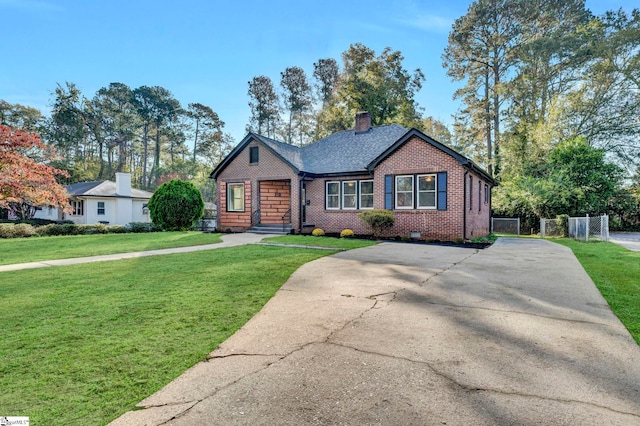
434, 192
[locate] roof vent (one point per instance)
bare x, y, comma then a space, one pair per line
363, 122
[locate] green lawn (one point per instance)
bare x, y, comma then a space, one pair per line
83, 344
309, 240
22, 250
616, 272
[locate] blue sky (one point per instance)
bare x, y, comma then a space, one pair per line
207, 51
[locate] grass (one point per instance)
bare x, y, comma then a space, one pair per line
22, 250
616, 272
83, 344
309, 240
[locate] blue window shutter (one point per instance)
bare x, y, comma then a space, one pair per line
388, 192
442, 191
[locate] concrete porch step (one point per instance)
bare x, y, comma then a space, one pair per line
271, 229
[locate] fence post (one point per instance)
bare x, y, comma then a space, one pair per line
586, 237
518, 227
541, 228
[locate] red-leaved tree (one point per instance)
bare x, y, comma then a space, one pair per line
26, 182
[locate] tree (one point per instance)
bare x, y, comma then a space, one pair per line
480, 50
208, 128
326, 72
576, 180
21, 116
263, 101
176, 205
377, 84
25, 181
296, 97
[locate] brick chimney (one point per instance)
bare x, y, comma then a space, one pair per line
363, 122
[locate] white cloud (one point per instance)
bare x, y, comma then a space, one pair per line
430, 23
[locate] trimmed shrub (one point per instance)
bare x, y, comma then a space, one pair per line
138, 227
379, 220
346, 233
19, 230
176, 205
55, 230
317, 232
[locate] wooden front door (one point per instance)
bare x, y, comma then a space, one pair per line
275, 201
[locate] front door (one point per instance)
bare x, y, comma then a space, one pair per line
303, 202
275, 202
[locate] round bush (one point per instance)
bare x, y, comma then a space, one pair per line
317, 232
346, 233
176, 205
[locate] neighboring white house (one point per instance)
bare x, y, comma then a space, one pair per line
113, 203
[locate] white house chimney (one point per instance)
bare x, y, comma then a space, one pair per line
363, 122
123, 184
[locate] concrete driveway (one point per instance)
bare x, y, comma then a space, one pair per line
404, 334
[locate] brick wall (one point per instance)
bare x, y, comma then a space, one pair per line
414, 157
269, 168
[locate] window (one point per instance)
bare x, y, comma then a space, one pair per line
78, 207
101, 207
366, 194
333, 195
479, 196
427, 191
235, 197
486, 194
404, 192
349, 195
253, 155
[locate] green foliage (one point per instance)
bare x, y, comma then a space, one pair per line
317, 232
379, 220
19, 230
576, 180
139, 227
176, 206
562, 222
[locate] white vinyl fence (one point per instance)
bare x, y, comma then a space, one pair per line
504, 225
586, 228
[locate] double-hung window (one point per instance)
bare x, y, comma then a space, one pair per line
254, 155
366, 194
101, 208
78, 207
235, 197
333, 195
404, 192
427, 191
349, 195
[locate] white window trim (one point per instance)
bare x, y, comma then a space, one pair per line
326, 195
360, 193
396, 192
435, 192
343, 194
229, 193
103, 208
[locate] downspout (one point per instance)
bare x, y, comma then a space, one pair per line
301, 202
464, 204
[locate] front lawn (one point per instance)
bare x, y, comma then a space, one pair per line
22, 250
83, 344
615, 271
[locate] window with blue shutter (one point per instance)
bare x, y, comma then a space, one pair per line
388, 192
442, 191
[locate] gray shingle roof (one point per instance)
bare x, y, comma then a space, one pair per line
342, 152
102, 188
